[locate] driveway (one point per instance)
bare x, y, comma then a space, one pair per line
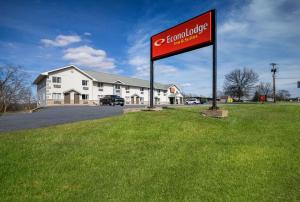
55, 115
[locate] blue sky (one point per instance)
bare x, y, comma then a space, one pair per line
113, 36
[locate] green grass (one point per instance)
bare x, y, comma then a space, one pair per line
172, 155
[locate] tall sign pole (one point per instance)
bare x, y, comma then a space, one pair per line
274, 70
214, 56
151, 77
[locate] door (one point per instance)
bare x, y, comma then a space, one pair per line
137, 100
67, 98
132, 100
76, 98
171, 100
157, 101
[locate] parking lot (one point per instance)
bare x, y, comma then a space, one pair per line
61, 114
55, 115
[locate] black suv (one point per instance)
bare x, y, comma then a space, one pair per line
112, 100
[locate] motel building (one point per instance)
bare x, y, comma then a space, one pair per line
72, 86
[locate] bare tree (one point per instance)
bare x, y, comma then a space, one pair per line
14, 86
264, 89
240, 82
283, 95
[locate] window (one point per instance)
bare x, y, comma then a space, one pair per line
142, 90
117, 88
84, 82
127, 88
85, 96
127, 99
56, 79
100, 86
158, 92
57, 86
56, 96
165, 92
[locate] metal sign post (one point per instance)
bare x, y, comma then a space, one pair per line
214, 62
151, 83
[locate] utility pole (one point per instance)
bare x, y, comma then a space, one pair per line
274, 70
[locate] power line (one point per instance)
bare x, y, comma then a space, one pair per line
288, 78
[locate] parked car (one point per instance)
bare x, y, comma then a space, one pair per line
112, 100
192, 101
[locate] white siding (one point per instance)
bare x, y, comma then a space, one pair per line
71, 79
41, 93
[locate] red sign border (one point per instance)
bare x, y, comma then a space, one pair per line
202, 45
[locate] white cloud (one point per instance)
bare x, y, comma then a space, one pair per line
89, 57
185, 84
263, 21
233, 26
87, 34
165, 69
61, 40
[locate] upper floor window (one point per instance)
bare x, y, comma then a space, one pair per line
117, 87
127, 88
57, 86
84, 82
142, 89
56, 79
100, 86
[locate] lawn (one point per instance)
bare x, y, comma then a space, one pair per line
172, 155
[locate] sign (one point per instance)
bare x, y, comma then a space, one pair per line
172, 90
298, 84
194, 33
262, 98
197, 32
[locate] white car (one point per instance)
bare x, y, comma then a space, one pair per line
192, 101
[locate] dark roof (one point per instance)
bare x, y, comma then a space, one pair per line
114, 78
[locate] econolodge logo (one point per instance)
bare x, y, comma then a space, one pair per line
159, 42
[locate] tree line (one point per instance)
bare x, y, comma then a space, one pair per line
15, 89
241, 83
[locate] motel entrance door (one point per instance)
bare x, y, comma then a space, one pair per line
67, 98
76, 98
172, 100
135, 99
